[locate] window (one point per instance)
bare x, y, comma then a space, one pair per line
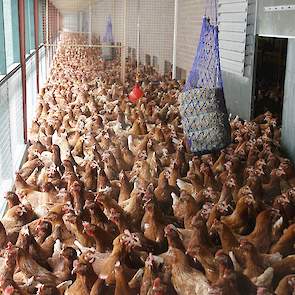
29, 19
2, 43
11, 31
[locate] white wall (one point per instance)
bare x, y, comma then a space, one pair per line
189, 27
157, 26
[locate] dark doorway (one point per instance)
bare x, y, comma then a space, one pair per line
271, 55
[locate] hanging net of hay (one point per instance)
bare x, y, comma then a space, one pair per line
203, 110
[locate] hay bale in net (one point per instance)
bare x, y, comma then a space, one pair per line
202, 105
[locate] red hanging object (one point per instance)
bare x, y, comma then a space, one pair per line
136, 92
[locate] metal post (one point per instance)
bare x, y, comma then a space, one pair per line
55, 25
175, 39
22, 47
81, 22
58, 25
3, 69
124, 46
47, 39
90, 24
138, 39
36, 30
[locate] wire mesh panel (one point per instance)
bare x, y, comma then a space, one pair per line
16, 119
42, 66
155, 19
31, 89
5, 144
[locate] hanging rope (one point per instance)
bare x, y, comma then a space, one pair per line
211, 11
137, 92
138, 38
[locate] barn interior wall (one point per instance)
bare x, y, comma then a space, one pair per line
156, 39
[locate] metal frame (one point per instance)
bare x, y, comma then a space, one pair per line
47, 38
123, 49
3, 68
36, 30
84, 45
12, 72
174, 62
22, 44
279, 8
90, 24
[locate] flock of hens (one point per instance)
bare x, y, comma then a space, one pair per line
111, 201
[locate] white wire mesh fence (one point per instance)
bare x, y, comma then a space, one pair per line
155, 20
12, 146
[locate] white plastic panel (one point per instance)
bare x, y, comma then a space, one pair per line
16, 119
31, 89
232, 66
228, 27
233, 46
5, 146
42, 66
232, 21
232, 36
234, 7
231, 55
231, 1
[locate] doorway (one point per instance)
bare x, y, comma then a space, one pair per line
271, 56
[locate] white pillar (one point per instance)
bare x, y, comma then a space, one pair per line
81, 22
175, 39
138, 46
90, 24
124, 45
47, 40
58, 27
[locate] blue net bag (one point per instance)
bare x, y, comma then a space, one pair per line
202, 106
108, 35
